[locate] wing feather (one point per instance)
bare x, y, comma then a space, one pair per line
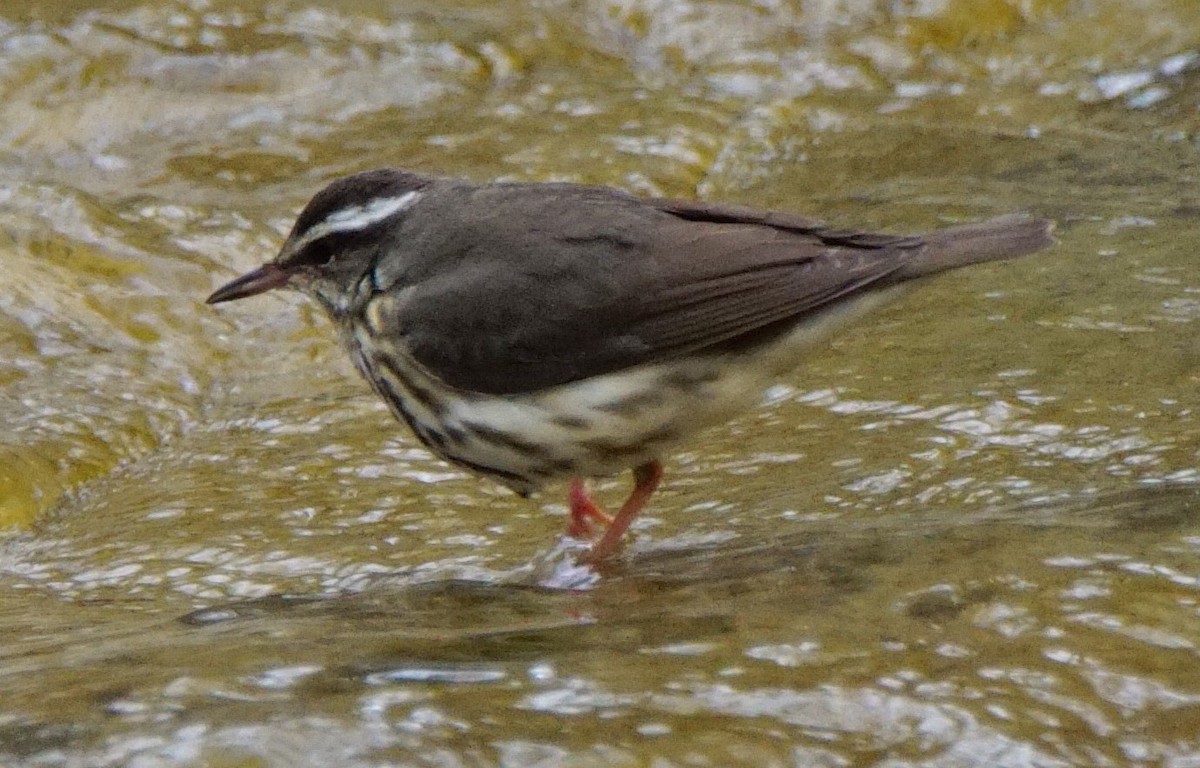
602, 281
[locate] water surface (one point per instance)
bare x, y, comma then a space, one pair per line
964, 534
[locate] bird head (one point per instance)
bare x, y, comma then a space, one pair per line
335, 239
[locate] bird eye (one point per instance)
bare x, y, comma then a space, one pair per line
341, 246
317, 253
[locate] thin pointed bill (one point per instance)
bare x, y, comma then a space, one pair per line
263, 279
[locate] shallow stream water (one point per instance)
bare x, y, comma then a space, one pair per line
965, 534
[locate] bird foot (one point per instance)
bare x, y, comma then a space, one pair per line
585, 513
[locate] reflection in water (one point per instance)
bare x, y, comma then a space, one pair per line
1008, 638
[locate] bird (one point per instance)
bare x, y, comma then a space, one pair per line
531, 332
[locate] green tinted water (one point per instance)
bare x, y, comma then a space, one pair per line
966, 534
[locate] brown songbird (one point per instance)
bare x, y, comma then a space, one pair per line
527, 332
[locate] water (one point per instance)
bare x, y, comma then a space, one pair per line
964, 534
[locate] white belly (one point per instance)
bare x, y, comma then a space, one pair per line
598, 426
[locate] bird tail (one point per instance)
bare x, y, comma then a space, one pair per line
1006, 237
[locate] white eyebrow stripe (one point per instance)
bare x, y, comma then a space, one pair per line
357, 218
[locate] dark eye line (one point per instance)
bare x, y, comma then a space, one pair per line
324, 250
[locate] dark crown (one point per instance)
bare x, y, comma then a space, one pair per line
347, 210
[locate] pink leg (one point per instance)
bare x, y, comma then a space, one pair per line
584, 511
646, 478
